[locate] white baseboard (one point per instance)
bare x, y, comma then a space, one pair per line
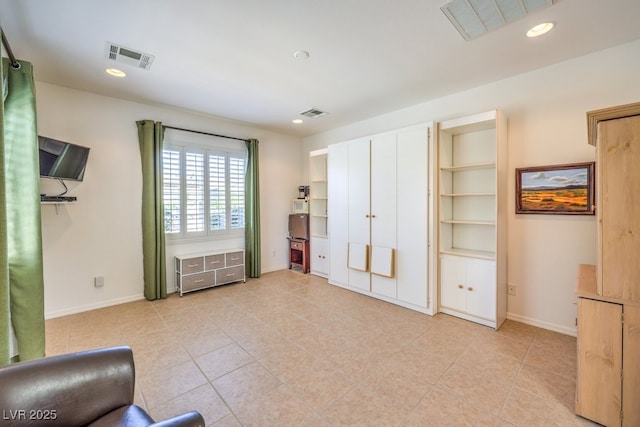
274, 268
75, 310
544, 325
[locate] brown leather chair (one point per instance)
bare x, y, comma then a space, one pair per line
93, 387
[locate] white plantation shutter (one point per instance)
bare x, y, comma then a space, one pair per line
172, 193
217, 192
236, 191
203, 192
194, 190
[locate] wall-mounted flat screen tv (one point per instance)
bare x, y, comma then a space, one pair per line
62, 160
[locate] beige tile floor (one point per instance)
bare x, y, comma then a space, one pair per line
291, 350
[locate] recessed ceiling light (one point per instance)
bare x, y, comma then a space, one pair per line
296, 121
115, 72
540, 29
301, 54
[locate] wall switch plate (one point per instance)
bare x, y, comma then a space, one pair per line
512, 290
98, 281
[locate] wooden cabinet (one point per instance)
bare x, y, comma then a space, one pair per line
472, 216
318, 212
299, 254
379, 216
608, 378
618, 183
204, 270
608, 375
599, 374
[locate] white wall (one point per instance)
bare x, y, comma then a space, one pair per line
546, 112
100, 235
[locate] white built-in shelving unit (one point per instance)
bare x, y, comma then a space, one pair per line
318, 205
472, 217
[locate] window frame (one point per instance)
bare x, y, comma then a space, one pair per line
226, 150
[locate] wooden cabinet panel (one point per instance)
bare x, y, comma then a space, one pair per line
599, 374
608, 378
619, 209
630, 358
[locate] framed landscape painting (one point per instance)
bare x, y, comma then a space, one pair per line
559, 189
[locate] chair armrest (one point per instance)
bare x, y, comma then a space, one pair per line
72, 389
190, 419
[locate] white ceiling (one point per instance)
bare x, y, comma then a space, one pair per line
234, 58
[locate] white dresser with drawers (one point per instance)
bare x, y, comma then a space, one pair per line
207, 269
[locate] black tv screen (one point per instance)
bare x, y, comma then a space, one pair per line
62, 160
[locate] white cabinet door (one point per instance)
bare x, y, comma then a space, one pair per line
468, 285
383, 210
359, 207
481, 288
413, 216
453, 276
319, 256
338, 221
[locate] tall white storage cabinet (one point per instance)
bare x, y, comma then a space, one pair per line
472, 153
379, 216
338, 213
318, 213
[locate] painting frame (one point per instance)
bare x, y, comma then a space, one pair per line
572, 185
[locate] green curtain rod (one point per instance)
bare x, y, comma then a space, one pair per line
12, 58
205, 133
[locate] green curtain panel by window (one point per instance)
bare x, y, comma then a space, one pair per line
150, 136
21, 276
252, 211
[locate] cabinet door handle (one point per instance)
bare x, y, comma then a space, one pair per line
470, 288
367, 216
198, 281
460, 286
192, 265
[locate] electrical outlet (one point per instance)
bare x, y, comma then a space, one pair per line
512, 290
98, 281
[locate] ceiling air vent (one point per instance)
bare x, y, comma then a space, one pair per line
314, 113
129, 56
473, 18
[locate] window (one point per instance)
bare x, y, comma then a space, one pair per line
203, 192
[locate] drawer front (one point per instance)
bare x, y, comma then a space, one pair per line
213, 262
198, 281
229, 274
297, 245
192, 265
234, 258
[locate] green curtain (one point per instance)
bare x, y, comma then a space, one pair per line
21, 276
151, 135
252, 211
